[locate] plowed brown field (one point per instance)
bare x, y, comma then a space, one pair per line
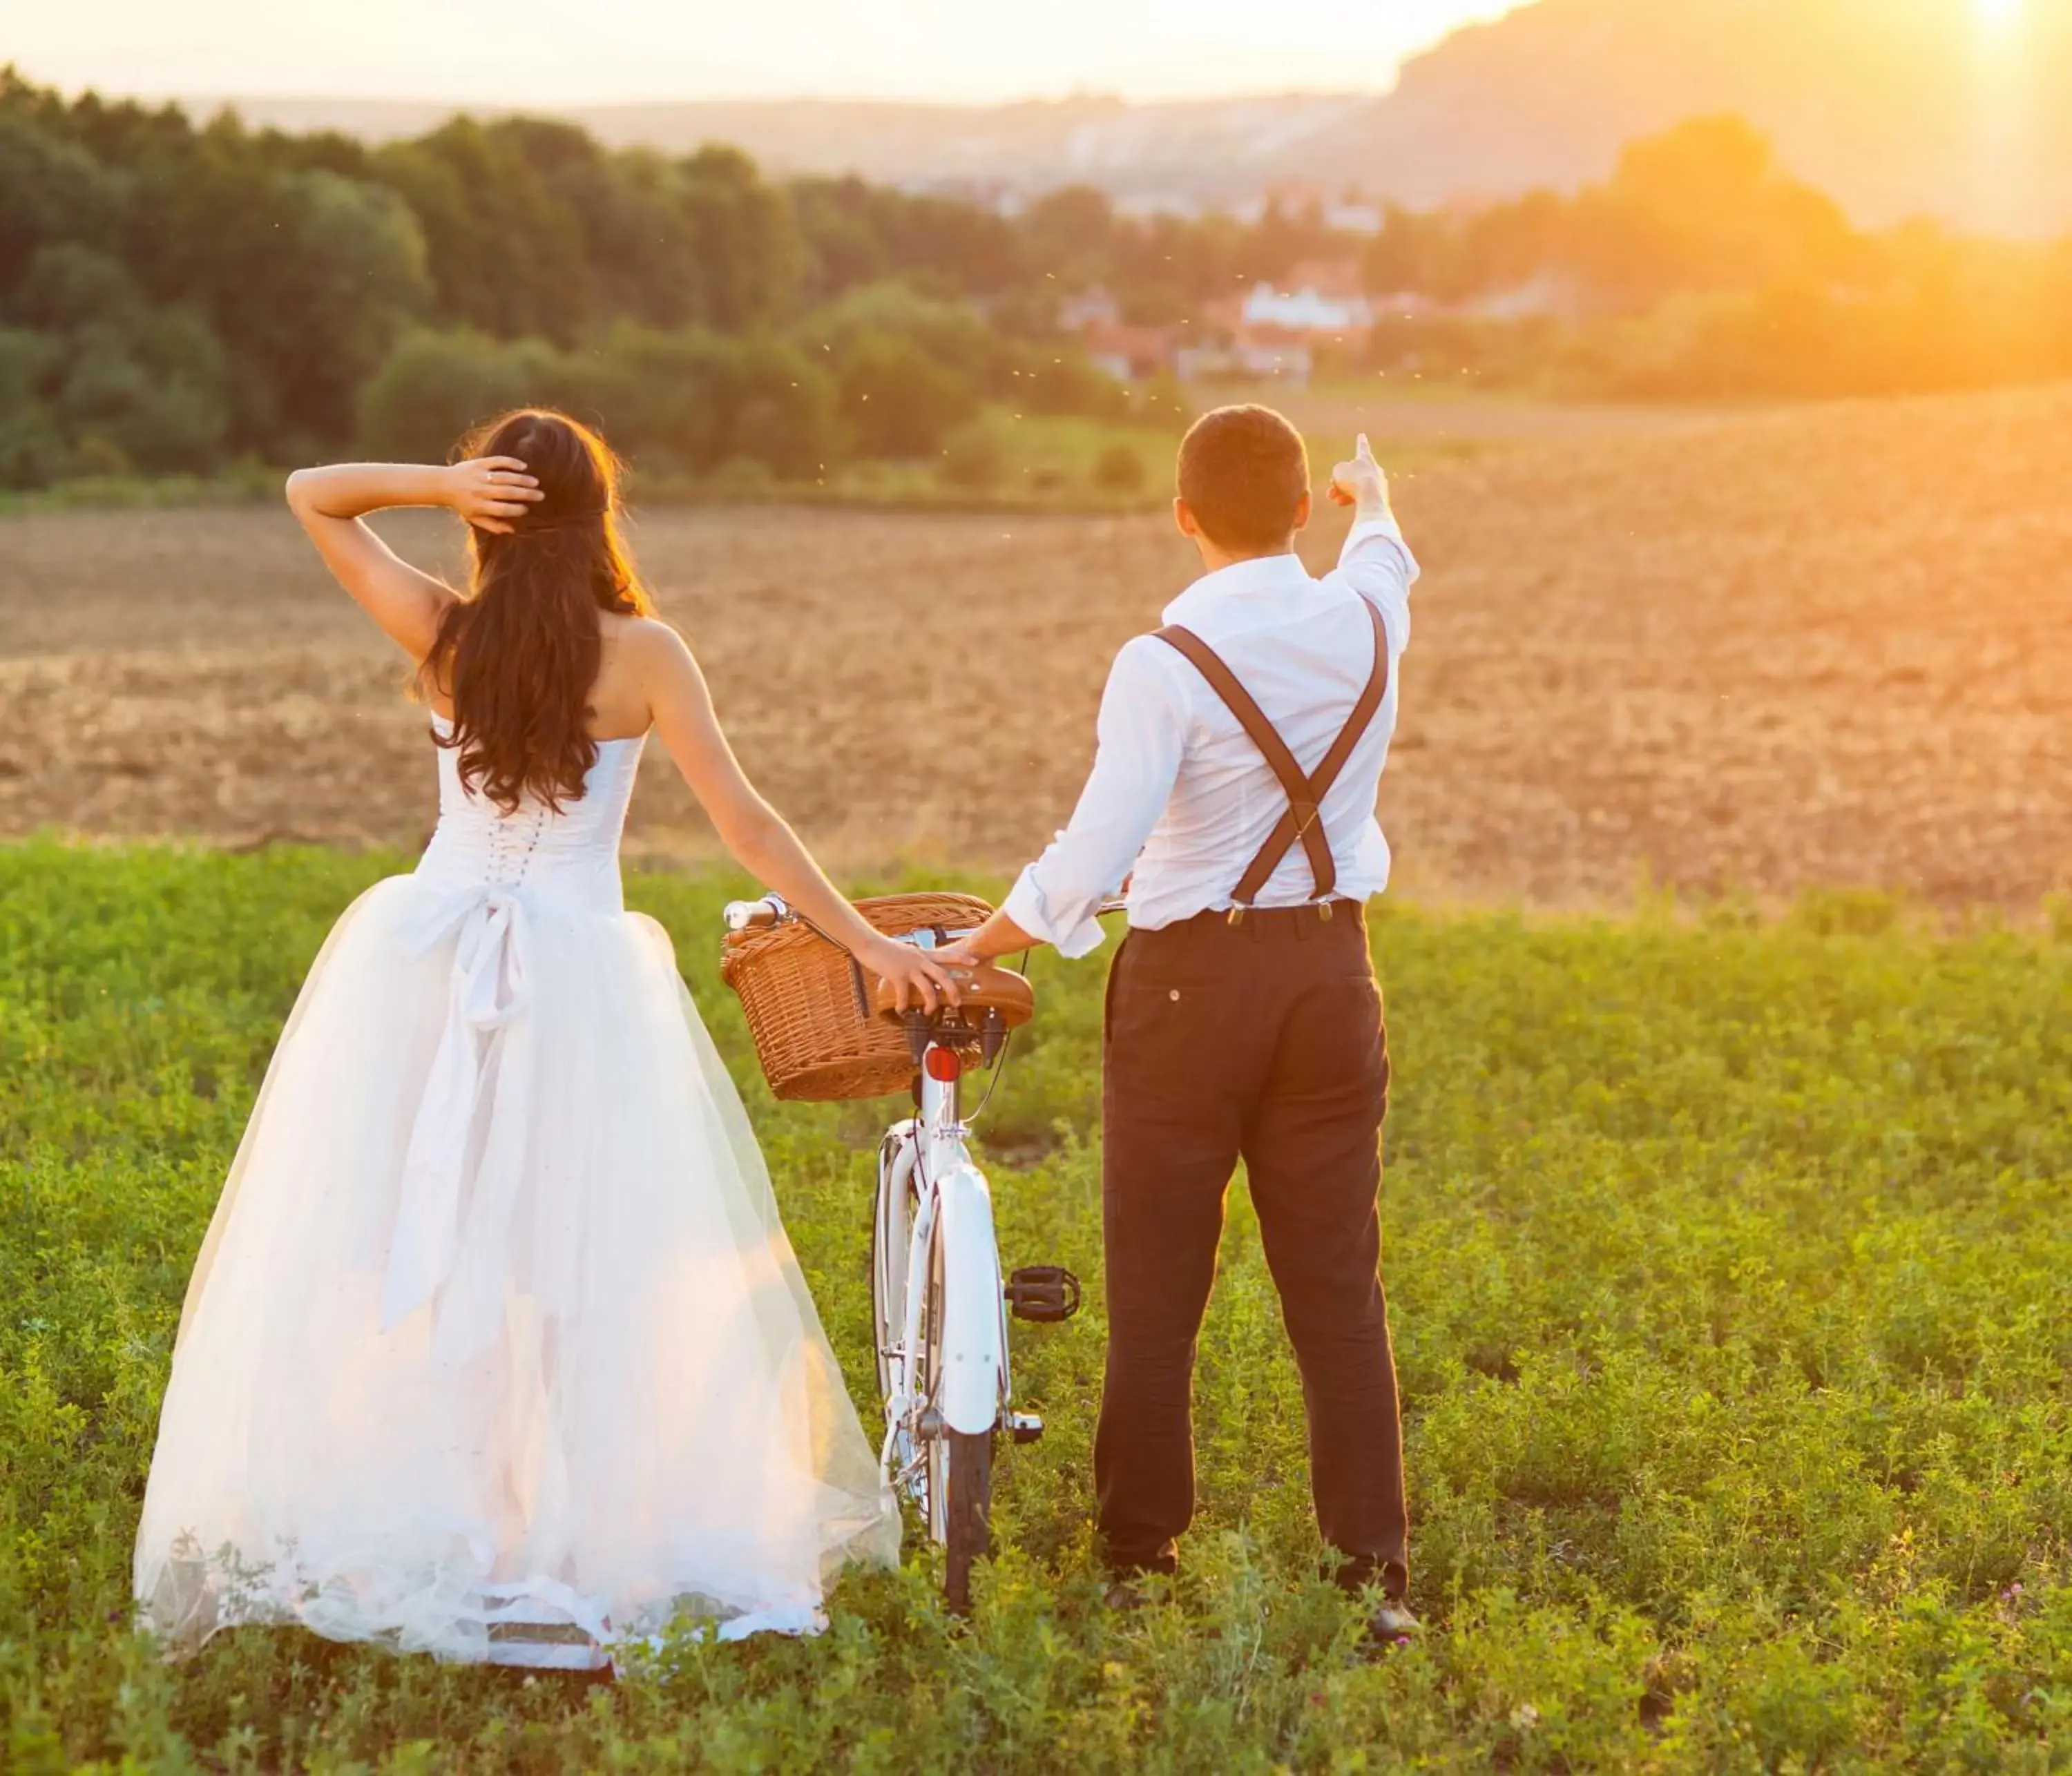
1827, 647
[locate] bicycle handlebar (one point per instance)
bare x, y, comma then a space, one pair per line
756, 916
771, 911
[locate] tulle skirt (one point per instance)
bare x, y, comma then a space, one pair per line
495, 1348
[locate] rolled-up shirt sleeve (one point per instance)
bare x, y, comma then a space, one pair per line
1142, 735
1378, 564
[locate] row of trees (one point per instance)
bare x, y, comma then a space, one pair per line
1703, 207
1701, 268
172, 293
175, 294
882, 371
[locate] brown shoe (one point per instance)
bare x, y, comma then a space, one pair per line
1392, 1625
1123, 1595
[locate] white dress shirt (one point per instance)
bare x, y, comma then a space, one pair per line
1179, 790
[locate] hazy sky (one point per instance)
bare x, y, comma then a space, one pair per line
546, 52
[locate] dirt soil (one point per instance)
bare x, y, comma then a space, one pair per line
1827, 647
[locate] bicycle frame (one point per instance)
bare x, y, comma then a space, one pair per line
937, 1252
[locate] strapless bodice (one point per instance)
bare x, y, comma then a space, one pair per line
568, 861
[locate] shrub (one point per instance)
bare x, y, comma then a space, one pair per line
951, 334
1163, 399
32, 446
433, 386
686, 399
975, 457
786, 413
1119, 469
742, 478
898, 400
32, 449
1061, 380
157, 395
691, 400
26, 359
664, 398
95, 455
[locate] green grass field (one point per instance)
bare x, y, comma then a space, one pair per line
1727, 1267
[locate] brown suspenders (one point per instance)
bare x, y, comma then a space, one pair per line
1305, 793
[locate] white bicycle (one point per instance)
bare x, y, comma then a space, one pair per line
940, 1303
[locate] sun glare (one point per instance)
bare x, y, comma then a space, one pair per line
1999, 12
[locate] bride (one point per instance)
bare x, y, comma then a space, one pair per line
495, 1348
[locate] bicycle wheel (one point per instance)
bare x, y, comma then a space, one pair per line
891, 1223
958, 1469
968, 1467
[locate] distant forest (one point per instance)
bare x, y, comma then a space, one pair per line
1702, 269
176, 296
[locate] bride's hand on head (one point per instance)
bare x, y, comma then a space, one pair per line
488, 492
915, 975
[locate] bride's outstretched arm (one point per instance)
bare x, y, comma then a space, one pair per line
750, 828
331, 503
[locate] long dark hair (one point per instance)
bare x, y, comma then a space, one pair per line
518, 655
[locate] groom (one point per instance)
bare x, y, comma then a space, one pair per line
1240, 751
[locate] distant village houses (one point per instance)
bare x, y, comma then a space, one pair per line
1131, 353
1086, 309
1279, 328
1271, 333
1316, 298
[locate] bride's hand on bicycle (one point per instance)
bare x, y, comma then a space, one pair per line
489, 491
915, 975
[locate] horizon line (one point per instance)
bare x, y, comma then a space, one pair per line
194, 97
1035, 100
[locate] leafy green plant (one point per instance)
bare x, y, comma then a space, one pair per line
1726, 1269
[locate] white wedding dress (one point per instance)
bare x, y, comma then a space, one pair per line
495, 1348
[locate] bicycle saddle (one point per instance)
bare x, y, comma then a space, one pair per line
982, 990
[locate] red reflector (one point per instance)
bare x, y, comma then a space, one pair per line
944, 1064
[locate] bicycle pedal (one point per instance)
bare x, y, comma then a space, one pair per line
1046, 1293
1024, 1427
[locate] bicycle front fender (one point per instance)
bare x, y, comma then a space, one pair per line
973, 1383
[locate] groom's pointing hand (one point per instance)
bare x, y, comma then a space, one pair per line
1359, 482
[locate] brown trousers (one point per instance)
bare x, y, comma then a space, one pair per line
1263, 1040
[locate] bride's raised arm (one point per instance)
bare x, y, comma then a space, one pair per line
332, 502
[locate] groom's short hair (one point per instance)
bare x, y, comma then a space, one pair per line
1244, 472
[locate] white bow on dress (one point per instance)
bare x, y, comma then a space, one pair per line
460, 1169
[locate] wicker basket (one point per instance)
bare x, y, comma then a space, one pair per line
805, 1008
